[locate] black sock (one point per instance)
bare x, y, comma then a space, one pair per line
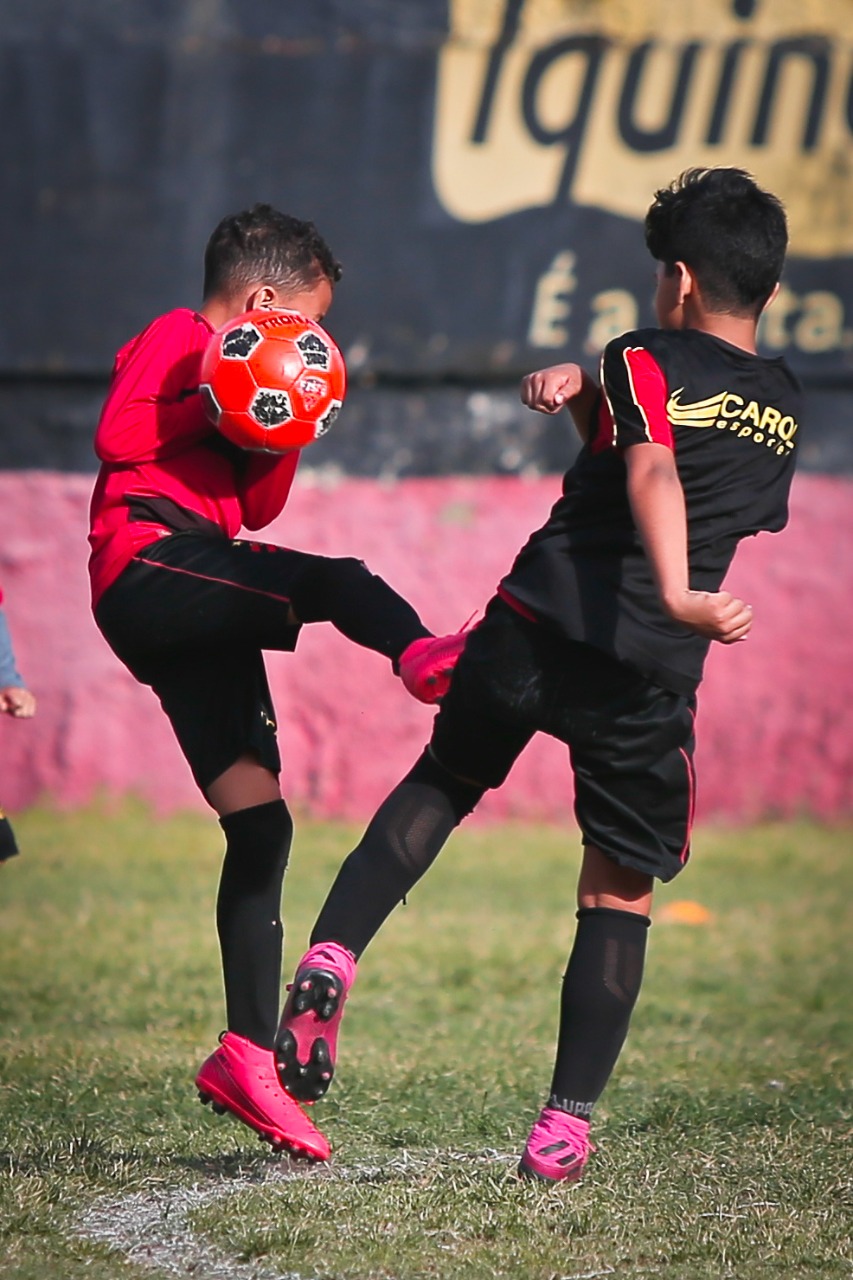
358, 603
401, 843
600, 988
248, 911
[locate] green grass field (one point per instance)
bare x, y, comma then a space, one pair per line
724, 1137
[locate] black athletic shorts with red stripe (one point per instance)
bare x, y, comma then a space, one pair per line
630, 742
190, 616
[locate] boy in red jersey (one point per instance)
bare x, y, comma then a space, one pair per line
16, 701
598, 636
188, 607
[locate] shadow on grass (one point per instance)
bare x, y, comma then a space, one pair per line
95, 1159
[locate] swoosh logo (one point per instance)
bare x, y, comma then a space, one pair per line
702, 413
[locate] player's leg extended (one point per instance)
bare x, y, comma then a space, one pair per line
364, 608
259, 593
240, 1076
400, 844
472, 739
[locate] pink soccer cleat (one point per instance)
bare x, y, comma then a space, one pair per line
557, 1149
426, 666
240, 1077
307, 1037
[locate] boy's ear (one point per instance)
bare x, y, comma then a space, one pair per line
687, 285
777, 286
262, 296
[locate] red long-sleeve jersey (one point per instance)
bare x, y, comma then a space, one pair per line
163, 466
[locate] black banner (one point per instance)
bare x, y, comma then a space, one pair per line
481, 169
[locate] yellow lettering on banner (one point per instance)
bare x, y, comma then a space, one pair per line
821, 325
744, 431
614, 313
551, 305
734, 400
772, 331
545, 102
751, 413
787, 429
480, 181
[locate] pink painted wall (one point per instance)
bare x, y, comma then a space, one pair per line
774, 719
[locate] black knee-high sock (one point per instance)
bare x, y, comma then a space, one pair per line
358, 603
403, 840
248, 911
600, 988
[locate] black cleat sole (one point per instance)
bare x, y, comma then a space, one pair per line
319, 992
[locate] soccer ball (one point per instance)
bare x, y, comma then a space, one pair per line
272, 380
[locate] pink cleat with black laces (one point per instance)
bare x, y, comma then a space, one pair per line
557, 1149
426, 666
307, 1039
240, 1077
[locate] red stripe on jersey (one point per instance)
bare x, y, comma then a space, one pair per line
649, 393
206, 577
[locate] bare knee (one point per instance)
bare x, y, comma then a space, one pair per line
604, 883
243, 785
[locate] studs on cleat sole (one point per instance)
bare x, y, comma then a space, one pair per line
317, 990
305, 1081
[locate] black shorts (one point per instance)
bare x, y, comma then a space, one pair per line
189, 616
630, 741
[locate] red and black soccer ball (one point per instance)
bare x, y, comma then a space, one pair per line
272, 380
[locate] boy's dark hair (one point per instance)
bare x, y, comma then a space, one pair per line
263, 246
730, 233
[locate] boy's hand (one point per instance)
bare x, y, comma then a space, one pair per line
17, 702
549, 390
717, 615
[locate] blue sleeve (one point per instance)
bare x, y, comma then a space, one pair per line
10, 677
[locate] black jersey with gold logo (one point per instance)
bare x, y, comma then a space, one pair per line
733, 421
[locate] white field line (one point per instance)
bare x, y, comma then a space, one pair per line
151, 1228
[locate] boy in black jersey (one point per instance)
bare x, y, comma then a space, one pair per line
597, 636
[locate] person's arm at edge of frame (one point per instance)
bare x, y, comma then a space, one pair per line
15, 698
658, 506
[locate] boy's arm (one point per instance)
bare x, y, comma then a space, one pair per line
549, 390
264, 486
657, 503
15, 699
636, 393
153, 408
